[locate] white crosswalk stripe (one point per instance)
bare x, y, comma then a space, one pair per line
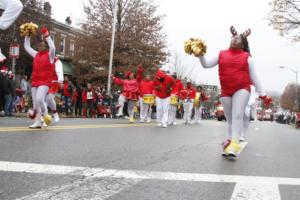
247, 187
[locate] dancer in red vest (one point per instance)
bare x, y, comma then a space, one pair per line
236, 73
163, 84
176, 89
43, 61
146, 99
57, 80
188, 95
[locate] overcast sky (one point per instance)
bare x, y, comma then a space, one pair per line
210, 20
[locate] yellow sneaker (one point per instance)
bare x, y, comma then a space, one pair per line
232, 149
131, 120
47, 119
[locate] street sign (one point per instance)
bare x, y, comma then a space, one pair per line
14, 50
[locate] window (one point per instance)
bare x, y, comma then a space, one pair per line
72, 48
62, 45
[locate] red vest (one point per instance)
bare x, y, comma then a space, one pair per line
233, 71
42, 70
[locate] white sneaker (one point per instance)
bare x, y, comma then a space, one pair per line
148, 120
242, 138
159, 124
165, 125
37, 124
142, 121
55, 118
44, 125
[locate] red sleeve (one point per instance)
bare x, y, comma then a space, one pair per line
118, 81
139, 74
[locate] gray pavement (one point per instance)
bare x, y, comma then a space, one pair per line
272, 151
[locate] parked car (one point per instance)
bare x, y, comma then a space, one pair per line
219, 113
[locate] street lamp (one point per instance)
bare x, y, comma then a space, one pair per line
112, 48
296, 73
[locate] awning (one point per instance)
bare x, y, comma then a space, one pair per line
68, 68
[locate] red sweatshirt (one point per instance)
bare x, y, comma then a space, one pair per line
177, 87
163, 84
146, 87
188, 93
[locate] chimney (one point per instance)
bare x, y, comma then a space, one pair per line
47, 8
68, 21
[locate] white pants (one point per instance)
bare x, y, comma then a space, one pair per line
38, 100
172, 114
198, 113
50, 100
145, 110
122, 99
234, 109
188, 108
162, 109
130, 108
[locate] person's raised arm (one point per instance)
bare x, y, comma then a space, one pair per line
51, 45
28, 48
12, 10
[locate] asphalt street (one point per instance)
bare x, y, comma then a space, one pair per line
110, 159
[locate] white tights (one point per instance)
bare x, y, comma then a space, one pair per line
38, 99
51, 101
234, 109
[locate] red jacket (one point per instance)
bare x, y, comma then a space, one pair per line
75, 96
163, 84
146, 87
130, 88
233, 71
177, 87
84, 97
42, 70
188, 93
67, 93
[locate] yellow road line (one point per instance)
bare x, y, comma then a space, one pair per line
70, 127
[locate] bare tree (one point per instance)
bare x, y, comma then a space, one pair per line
139, 37
288, 99
285, 17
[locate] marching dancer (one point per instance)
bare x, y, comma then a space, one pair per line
147, 99
162, 88
56, 83
176, 89
199, 99
43, 61
187, 96
236, 73
130, 91
248, 112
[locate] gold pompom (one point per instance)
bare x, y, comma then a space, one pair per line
47, 119
196, 47
28, 29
